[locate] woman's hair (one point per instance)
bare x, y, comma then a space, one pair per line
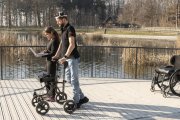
51, 30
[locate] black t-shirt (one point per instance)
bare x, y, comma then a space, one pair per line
68, 31
52, 47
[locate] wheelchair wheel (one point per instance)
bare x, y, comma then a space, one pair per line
42, 107
69, 106
36, 99
174, 83
61, 97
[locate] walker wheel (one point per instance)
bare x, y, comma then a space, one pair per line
35, 100
69, 106
42, 107
61, 97
34, 94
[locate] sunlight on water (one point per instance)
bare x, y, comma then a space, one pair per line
109, 62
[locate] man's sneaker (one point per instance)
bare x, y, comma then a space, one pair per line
81, 101
84, 100
78, 105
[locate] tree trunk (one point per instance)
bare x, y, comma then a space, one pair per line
2, 13
9, 14
49, 19
20, 19
38, 15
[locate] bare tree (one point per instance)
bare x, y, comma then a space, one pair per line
2, 4
150, 12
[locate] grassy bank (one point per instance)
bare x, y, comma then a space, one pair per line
22, 29
141, 32
120, 31
128, 31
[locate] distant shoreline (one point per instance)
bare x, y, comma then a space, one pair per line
129, 40
113, 31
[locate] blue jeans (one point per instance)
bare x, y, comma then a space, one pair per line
71, 76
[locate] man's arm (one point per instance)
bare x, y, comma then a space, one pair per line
57, 55
69, 50
71, 46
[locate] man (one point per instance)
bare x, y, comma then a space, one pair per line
68, 49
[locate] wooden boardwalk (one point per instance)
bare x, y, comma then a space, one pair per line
111, 99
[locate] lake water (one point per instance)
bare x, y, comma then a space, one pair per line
96, 61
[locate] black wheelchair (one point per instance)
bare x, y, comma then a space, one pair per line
167, 78
39, 101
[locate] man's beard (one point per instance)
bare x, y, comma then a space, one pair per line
61, 26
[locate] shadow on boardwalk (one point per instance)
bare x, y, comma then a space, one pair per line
126, 111
141, 111
110, 99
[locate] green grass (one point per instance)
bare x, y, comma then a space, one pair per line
153, 33
100, 31
21, 29
130, 32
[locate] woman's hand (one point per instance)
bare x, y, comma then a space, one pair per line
45, 51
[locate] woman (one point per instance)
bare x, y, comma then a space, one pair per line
52, 47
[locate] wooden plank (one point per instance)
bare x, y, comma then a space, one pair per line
114, 96
28, 97
109, 99
55, 113
1, 113
9, 111
5, 109
19, 98
91, 91
98, 93
105, 98
85, 113
78, 113
16, 102
96, 109
58, 109
1, 97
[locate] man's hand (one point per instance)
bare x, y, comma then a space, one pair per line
62, 60
54, 58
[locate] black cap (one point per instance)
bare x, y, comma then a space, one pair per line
61, 15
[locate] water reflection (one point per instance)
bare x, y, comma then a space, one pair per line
110, 62
22, 38
18, 62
